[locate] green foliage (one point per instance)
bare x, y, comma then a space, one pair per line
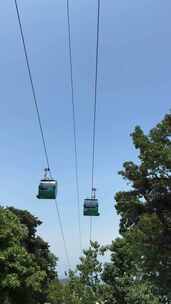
56, 292
26, 265
84, 285
143, 254
141, 294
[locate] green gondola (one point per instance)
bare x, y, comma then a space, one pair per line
91, 206
47, 187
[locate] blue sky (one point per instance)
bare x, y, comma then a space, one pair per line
134, 88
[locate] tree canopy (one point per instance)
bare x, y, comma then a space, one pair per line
26, 264
142, 255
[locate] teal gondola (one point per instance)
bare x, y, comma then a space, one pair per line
91, 206
47, 187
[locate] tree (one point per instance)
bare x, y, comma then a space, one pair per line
56, 292
26, 265
19, 272
84, 285
141, 293
38, 248
143, 253
90, 271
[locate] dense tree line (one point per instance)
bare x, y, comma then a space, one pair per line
139, 270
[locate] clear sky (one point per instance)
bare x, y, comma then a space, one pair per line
134, 88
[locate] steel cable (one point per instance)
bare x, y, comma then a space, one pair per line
74, 123
95, 104
40, 123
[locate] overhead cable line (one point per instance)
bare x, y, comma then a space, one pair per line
62, 234
95, 103
39, 121
32, 85
74, 123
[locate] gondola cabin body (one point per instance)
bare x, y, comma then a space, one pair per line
91, 207
47, 189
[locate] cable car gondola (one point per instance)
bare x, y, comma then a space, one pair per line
47, 187
91, 206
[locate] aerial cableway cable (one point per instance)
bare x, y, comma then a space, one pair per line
95, 104
74, 122
40, 123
